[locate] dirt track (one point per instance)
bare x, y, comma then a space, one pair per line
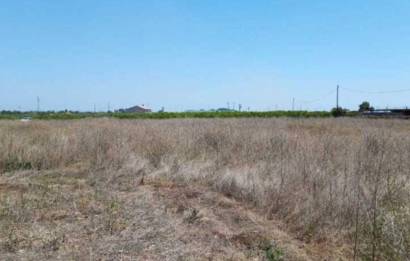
154, 220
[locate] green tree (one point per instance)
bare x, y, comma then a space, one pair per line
338, 112
365, 106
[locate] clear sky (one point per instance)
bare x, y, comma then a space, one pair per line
192, 54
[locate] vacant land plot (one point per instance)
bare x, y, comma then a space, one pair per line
230, 189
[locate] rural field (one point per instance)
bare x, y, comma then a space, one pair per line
205, 189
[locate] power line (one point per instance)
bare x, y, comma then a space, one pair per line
318, 99
377, 92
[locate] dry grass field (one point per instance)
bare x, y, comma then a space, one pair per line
205, 189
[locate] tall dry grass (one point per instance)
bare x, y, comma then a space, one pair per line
341, 180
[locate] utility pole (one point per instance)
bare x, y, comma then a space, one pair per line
38, 104
109, 107
337, 97
293, 104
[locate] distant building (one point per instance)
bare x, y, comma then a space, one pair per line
25, 119
388, 113
224, 110
137, 108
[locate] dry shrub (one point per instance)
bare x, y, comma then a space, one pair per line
323, 177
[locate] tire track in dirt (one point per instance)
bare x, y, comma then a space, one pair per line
211, 226
74, 216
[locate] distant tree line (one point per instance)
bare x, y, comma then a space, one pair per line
220, 113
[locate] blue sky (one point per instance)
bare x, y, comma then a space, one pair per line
195, 54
